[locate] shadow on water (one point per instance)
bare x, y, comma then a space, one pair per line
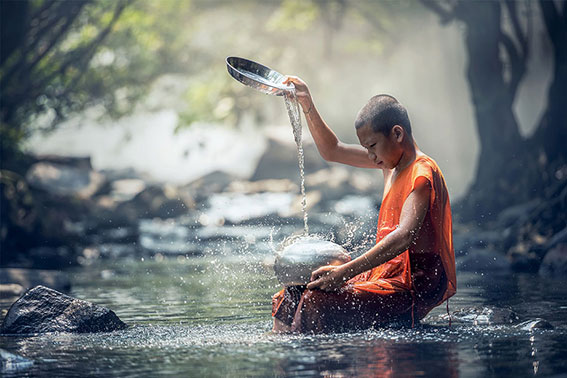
210, 316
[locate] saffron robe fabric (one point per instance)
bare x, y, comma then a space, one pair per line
407, 286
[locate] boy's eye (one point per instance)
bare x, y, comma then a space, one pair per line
372, 145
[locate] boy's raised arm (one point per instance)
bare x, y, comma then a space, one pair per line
329, 146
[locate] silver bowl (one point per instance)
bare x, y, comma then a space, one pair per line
295, 263
257, 76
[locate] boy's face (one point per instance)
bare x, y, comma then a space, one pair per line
385, 151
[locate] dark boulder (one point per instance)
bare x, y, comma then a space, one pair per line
279, 161
156, 202
43, 310
554, 263
485, 315
12, 363
214, 182
81, 162
63, 180
538, 323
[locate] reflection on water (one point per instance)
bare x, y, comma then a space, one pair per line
210, 316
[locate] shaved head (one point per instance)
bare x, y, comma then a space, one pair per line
382, 112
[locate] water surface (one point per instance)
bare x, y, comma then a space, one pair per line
210, 316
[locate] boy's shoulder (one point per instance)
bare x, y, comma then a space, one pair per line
425, 166
424, 162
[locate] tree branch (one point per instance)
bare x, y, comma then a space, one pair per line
74, 13
518, 31
517, 63
45, 26
551, 19
21, 66
444, 14
86, 52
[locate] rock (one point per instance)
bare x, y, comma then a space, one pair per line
62, 180
121, 174
560, 237
537, 323
525, 257
10, 290
126, 189
554, 263
485, 315
517, 214
81, 162
11, 363
279, 161
214, 182
43, 310
28, 278
482, 260
156, 202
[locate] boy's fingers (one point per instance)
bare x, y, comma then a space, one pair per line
313, 285
291, 79
319, 272
316, 274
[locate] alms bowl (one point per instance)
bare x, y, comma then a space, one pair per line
257, 76
295, 263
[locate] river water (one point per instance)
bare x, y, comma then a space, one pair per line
210, 316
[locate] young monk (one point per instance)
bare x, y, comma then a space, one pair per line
411, 269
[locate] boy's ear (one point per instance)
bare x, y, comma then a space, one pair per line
398, 132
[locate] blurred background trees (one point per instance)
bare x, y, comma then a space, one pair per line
498, 35
61, 58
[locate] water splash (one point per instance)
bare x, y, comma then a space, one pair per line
295, 118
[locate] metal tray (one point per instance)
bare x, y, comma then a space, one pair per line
257, 76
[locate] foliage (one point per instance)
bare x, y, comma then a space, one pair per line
69, 55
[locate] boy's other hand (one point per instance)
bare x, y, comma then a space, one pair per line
301, 91
327, 278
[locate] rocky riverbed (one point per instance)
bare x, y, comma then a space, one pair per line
59, 212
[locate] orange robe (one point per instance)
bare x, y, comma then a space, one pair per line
406, 287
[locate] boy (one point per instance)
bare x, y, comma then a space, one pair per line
411, 269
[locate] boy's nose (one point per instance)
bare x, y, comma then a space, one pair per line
371, 155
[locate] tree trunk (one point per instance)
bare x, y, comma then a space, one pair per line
550, 138
503, 161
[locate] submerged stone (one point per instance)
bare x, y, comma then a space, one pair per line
554, 263
537, 323
11, 363
485, 315
43, 310
295, 263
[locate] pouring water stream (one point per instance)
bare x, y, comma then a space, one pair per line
295, 118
